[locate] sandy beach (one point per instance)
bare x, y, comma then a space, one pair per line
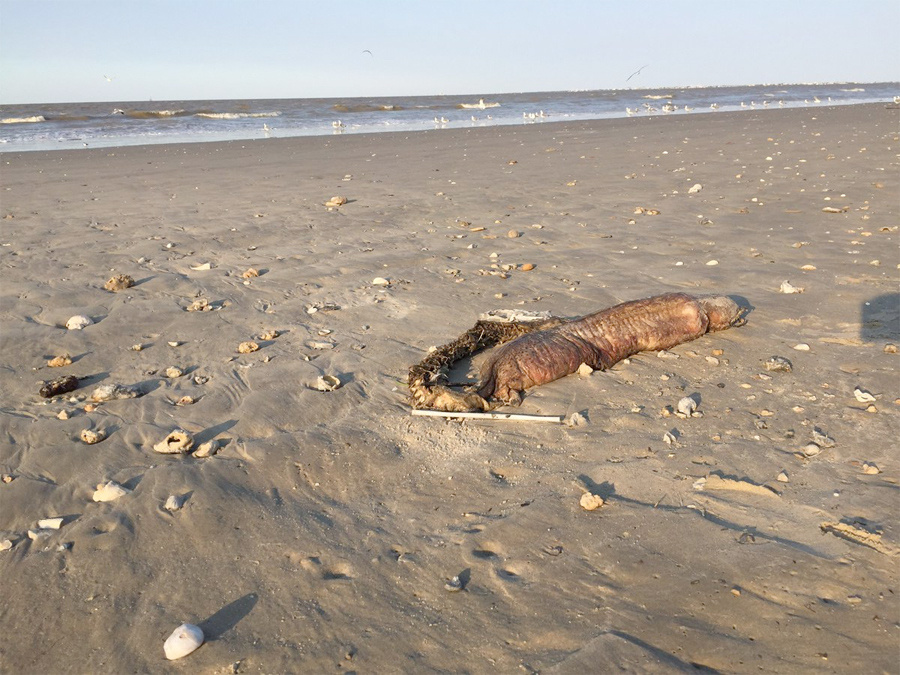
325, 533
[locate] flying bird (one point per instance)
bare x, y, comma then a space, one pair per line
108, 78
637, 72
367, 51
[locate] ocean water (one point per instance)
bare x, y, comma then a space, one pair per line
78, 125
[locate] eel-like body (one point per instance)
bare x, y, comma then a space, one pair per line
539, 353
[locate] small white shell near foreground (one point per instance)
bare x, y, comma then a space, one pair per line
79, 322
183, 640
110, 491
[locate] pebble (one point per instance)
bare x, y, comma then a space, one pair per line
527, 267
109, 491
513, 234
590, 501
119, 283
60, 361
176, 442
79, 322
778, 364
92, 436
183, 640
788, 287
695, 189
585, 370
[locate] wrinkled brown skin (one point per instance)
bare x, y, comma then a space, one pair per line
601, 340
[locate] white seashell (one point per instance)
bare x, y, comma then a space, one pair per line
174, 371
202, 267
380, 281
109, 492
863, 396
50, 523
6, 544
695, 189
687, 406
183, 640
788, 287
801, 347
78, 322
92, 436
176, 442
35, 534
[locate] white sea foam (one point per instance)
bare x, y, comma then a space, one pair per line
237, 116
23, 120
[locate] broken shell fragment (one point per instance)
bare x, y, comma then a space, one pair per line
177, 442
870, 469
327, 383
336, 201
247, 347
113, 392
109, 491
380, 281
183, 640
199, 305
79, 322
590, 501
119, 283
92, 436
863, 396
173, 503
61, 385
250, 273
687, 406
584, 370
174, 371
185, 400
60, 361
269, 335
810, 450
50, 523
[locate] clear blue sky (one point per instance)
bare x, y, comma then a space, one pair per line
61, 50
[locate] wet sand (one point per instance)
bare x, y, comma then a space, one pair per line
322, 535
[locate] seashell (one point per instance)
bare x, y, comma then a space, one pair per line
199, 305
584, 370
79, 322
687, 406
51, 523
183, 640
782, 477
870, 469
320, 344
174, 371
6, 544
833, 209
808, 268
250, 273
119, 283
801, 347
247, 347
712, 263
527, 267
863, 396
454, 585
60, 385
109, 491
778, 364
327, 383
576, 419
60, 361
788, 288
513, 234
336, 201
136, 348
380, 281
177, 442
669, 438
202, 267
208, 448
890, 348
34, 534
62, 415
695, 189
810, 450
822, 438
91, 436
114, 392
174, 343
590, 502
269, 335
185, 400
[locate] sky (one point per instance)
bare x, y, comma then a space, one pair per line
136, 50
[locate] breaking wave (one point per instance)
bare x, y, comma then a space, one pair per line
23, 120
236, 116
